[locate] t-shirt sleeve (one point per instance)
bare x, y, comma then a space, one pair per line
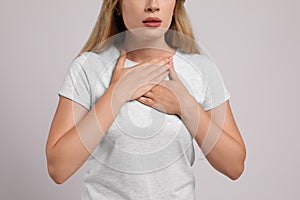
76, 85
216, 90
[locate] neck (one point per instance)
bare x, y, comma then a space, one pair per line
139, 50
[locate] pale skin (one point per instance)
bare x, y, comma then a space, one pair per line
75, 131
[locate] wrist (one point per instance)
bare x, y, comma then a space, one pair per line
188, 104
118, 93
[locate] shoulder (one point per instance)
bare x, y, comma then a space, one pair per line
97, 60
202, 62
198, 59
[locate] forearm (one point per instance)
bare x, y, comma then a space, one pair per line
222, 151
73, 149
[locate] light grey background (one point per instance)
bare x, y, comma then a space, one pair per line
255, 44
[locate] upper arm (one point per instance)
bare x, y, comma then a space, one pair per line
225, 119
217, 99
74, 99
68, 114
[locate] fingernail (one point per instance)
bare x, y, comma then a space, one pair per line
123, 51
170, 57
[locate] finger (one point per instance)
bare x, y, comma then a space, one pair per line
160, 77
121, 59
155, 60
173, 74
149, 94
161, 62
154, 64
159, 70
146, 101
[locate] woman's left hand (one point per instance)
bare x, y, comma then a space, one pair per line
167, 96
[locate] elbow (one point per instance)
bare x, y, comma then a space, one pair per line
53, 170
238, 170
57, 177
236, 173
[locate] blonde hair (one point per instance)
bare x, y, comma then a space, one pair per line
109, 24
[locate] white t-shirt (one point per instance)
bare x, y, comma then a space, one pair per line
145, 154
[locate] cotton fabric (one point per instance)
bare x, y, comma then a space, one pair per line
145, 154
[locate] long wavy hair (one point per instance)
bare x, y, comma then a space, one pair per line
109, 24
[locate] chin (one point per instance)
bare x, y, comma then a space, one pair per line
149, 33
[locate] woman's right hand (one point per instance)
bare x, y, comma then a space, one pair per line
133, 82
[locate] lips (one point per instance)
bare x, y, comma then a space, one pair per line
152, 21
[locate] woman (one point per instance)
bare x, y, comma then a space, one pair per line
133, 115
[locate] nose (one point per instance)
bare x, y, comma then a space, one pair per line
152, 6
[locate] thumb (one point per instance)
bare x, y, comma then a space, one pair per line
121, 59
172, 73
